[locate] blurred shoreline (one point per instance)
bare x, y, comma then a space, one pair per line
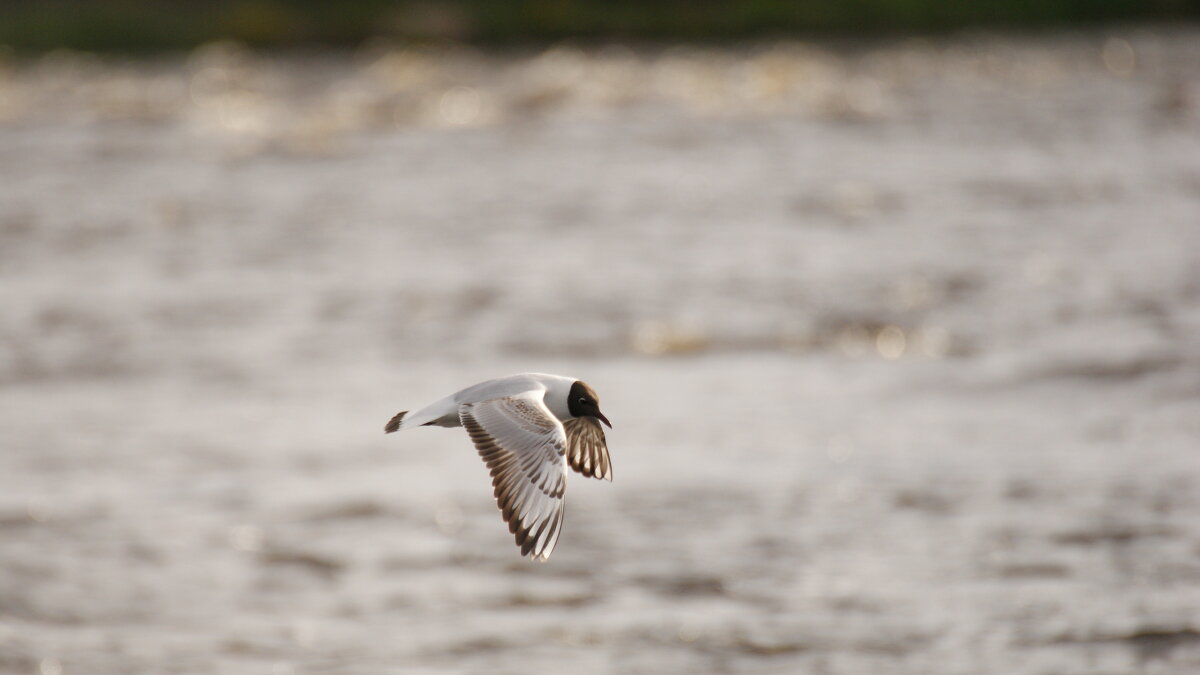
158, 25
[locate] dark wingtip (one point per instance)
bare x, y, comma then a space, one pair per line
394, 423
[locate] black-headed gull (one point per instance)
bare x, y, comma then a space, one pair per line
528, 429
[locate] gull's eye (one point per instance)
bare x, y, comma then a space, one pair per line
582, 399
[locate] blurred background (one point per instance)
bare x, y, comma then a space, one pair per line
894, 306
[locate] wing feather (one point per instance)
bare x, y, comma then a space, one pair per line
524, 447
587, 451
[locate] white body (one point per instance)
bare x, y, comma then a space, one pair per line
445, 412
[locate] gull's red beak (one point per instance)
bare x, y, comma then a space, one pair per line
600, 416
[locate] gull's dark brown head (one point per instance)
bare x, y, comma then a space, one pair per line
583, 402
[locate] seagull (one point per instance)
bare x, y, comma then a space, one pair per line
528, 429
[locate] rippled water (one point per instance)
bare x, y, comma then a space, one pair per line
899, 342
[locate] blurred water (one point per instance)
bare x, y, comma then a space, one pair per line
899, 341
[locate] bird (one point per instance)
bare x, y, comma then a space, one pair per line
528, 429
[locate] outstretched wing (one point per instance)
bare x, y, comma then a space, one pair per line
587, 452
524, 445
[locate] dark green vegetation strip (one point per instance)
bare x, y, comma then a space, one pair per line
148, 25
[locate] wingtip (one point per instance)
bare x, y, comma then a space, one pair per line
394, 423
539, 551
